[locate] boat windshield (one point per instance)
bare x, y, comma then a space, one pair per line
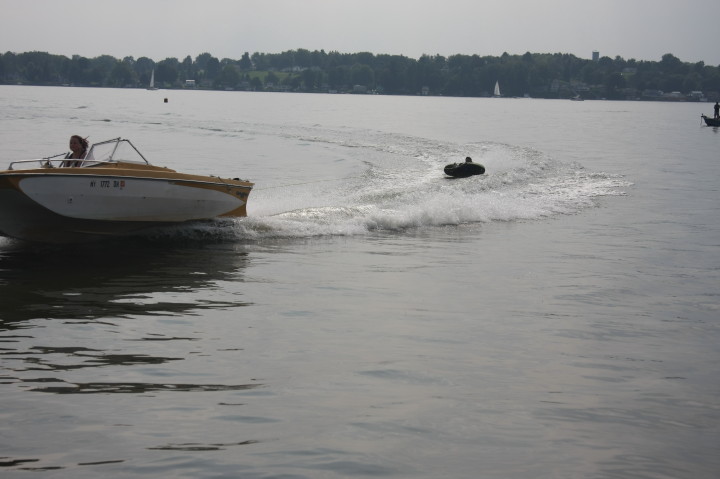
113, 151
110, 151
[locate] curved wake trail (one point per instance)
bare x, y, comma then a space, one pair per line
397, 183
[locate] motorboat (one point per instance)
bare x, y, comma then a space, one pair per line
711, 121
113, 191
463, 170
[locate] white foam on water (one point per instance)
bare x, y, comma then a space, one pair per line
397, 182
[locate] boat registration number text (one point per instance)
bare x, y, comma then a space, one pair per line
107, 184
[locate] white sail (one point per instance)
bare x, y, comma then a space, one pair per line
152, 81
497, 89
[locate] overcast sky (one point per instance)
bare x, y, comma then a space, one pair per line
158, 29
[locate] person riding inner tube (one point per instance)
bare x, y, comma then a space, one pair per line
463, 170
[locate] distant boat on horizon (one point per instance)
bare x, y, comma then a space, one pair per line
152, 81
496, 93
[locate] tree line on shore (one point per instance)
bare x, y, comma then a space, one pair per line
537, 75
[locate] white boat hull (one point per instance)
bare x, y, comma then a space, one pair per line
109, 198
22, 218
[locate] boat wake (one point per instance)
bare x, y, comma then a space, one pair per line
391, 182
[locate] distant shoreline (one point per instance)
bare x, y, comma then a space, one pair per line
531, 75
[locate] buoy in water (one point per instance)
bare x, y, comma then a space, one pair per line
463, 170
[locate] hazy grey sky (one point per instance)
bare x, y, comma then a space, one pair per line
158, 29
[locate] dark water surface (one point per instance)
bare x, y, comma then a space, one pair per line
557, 318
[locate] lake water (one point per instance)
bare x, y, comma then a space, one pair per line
558, 317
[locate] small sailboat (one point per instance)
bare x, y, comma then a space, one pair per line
496, 93
152, 81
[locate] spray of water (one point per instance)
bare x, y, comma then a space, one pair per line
397, 183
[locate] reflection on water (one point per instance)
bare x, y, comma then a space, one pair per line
200, 447
101, 285
110, 279
102, 329
84, 358
103, 388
